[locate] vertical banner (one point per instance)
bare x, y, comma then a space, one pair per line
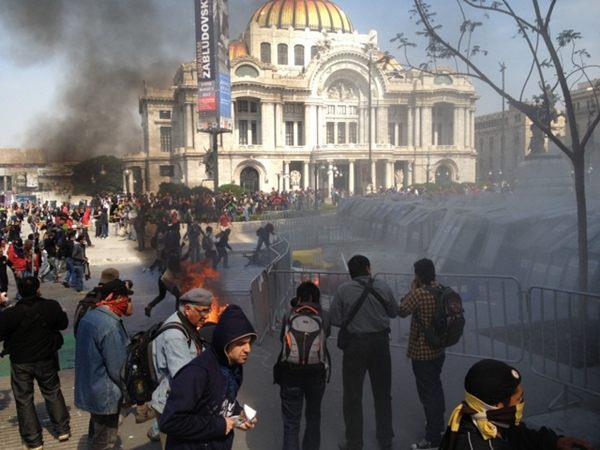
212, 60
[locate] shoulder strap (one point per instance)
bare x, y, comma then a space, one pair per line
377, 295
173, 326
357, 304
437, 294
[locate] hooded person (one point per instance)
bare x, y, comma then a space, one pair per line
202, 408
490, 415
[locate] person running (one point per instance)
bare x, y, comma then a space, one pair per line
222, 245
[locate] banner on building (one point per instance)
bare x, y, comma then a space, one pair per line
212, 60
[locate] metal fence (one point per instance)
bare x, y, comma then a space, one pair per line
564, 339
493, 313
493, 309
560, 330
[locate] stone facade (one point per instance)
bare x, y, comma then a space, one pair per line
32, 171
301, 114
501, 148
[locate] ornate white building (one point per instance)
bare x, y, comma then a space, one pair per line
300, 89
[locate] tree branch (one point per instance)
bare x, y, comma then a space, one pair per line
590, 130
431, 31
500, 11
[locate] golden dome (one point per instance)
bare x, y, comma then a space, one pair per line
318, 15
237, 49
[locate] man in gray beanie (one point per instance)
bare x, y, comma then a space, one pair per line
177, 343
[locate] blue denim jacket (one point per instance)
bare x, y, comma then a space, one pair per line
100, 351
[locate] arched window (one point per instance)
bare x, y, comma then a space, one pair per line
265, 52
246, 71
443, 175
249, 179
299, 55
282, 54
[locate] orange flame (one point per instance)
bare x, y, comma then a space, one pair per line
202, 275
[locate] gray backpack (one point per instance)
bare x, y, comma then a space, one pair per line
304, 339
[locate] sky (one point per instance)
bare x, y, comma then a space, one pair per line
30, 85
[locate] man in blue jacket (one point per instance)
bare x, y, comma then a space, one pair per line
202, 405
99, 355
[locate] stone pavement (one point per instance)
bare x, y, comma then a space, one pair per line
258, 389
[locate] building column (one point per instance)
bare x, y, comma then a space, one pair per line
417, 126
466, 132
130, 182
390, 174
310, 126
426, 126
267, 119
321, 126
124, 182
381, 130
397, 134
472, 128
329, 178
189, 125
374, 174
351, 185
409, 127
278, 125
305, 175
286, 176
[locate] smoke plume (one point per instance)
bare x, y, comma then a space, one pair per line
106, 49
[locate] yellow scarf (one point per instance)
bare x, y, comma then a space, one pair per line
485, 417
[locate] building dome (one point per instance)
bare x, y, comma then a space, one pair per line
318, 15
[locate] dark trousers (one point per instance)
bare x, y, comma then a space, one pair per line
102, 431
46, 374
162, 293
431, 394
140, 235
221, 255
292, 397
367, 352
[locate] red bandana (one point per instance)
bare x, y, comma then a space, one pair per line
117, 305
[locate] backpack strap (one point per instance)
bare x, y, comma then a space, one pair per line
173, 326
437, 294
306, 308
357, 304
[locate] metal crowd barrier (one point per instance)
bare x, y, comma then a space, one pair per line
564, 339
493, 309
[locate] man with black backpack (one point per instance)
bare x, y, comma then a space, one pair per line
92, 297
426, 345
362, 308
175, 344
302, 367
31, 334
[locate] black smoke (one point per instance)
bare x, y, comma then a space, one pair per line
106, 49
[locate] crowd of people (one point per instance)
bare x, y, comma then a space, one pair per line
185, 373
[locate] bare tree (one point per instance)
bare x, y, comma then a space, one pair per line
558, 65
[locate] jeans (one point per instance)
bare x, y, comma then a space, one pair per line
51, 268
367, 352
46, 374
292, 397
78, 274
69, 273
431, 394
102, 431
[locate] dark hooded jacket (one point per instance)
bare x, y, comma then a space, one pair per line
204, 392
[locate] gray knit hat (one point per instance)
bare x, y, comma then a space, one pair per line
197, 296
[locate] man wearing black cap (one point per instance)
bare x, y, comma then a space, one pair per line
202, 408
31, 334
427, 362
490, 415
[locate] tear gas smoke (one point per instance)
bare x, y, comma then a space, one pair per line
105, 50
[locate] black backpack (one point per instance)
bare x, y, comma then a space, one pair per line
138, 376
448, 322
85, 304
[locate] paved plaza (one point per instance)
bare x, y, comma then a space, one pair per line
258, 389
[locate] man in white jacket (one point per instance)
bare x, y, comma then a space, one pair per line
177, 344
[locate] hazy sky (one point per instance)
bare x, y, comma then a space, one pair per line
29, 87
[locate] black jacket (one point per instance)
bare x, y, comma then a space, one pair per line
514, 438
31, 329
204, 392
